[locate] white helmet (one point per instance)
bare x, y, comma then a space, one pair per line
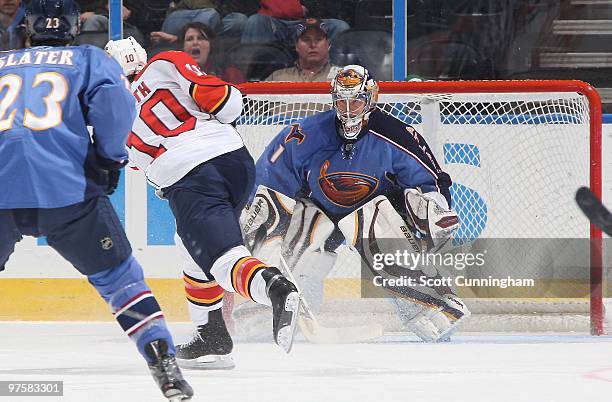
128, 53
354, 95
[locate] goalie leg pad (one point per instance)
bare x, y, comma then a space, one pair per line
265, 221
310, 264
310, 273
431, 312
308, 230
377, 228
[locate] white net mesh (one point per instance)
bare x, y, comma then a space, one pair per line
516, 160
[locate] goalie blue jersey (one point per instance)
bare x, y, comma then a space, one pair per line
309, 159
48, 97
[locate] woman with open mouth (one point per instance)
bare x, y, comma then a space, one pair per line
195, 38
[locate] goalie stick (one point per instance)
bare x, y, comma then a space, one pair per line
592, 207
316, 333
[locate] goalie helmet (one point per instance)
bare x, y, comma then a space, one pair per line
52, 22
354, 95
129, 54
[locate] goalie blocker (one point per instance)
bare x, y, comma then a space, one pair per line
275, 224
431, 313
296, 231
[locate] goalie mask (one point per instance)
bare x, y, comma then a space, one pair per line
354, 95
129, 54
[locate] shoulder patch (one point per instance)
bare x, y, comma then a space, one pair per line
295, 133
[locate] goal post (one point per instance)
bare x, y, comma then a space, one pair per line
516, 150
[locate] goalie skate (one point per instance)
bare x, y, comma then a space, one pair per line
433, 324
209, 348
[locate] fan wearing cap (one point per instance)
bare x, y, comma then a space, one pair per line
312, 47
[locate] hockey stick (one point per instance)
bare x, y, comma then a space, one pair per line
316, 333
592, 207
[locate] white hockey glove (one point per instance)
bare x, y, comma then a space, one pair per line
431, 216
130, 55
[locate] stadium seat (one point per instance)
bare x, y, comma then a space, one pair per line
369, 48
258, 61
162, 47
441, 58
96, 38
374, 14
149, 14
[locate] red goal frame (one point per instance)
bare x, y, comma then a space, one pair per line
522, 86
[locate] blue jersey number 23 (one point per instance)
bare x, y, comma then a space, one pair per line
53, 110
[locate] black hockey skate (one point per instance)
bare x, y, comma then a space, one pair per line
210, 348
166, 372
285, 306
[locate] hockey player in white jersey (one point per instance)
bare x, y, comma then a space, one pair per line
356, 175
184, 142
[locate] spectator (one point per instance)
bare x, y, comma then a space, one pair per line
94, 17
196, 39
276, 19
12, 29
312, 47
226, 17
148, 15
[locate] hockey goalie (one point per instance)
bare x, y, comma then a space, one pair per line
353, 177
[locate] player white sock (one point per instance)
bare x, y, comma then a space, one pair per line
203, 295
258, 289
239, 272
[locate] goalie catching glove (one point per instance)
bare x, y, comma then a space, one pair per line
430, 216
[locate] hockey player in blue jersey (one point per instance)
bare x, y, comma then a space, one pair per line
359, 174
55, 176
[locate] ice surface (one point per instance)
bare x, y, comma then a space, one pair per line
98, 363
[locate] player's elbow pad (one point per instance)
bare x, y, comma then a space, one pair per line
232, 109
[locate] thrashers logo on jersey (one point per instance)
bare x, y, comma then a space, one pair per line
295, 134
346, 189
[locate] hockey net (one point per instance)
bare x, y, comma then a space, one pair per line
516, 151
